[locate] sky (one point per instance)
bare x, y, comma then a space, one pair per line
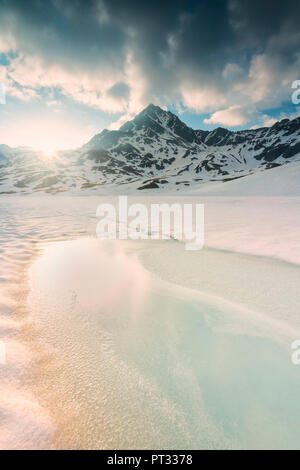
72, 68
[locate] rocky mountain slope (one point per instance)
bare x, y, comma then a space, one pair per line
155, 149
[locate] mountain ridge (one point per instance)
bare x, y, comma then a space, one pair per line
153, 150
198, 133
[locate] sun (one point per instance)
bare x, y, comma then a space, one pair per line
47, 136
48, 150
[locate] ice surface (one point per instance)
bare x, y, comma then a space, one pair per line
168, 338
158, 365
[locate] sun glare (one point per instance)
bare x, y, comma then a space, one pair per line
46, 135
48, 150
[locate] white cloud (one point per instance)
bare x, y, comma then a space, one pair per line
53, 103
201, 99
26, 75
137, 83
268, 121
7, 43
232, 116
117, 124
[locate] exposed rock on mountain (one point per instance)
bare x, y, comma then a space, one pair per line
154, 150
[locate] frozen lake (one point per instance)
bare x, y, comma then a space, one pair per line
143, 344
145, 363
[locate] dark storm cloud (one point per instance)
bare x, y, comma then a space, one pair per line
175, 38
172, 42
258, 20
67, 31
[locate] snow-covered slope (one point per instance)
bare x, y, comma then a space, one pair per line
154, 150
280, 181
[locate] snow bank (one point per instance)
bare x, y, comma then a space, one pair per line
281, 181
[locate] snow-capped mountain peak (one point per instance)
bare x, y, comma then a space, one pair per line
155, 149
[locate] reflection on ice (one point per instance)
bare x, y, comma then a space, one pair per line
135, 362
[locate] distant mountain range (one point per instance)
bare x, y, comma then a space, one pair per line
154, 150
